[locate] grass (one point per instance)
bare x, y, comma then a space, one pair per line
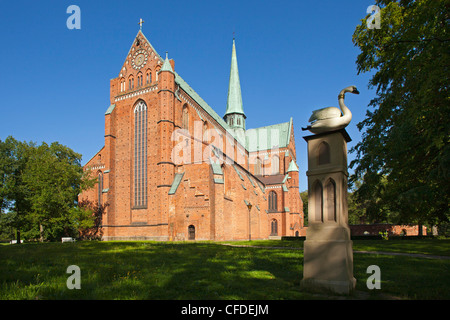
208, 270
439, 247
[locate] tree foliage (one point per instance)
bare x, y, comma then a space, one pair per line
90, 219
14, 194
53, 175
404, 156
39, 187
304, 197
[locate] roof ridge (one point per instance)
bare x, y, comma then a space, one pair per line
271, 125
256, 140
206, 107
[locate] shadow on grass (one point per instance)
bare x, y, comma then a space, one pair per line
170, 271
149, 270
405, 277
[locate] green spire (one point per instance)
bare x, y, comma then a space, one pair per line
292, 167
166, 65
234, 101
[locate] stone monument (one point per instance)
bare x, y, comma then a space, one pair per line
328, 249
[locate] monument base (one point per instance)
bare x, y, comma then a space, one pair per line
328, 264
337, 287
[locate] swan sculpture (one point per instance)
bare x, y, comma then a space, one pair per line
331, 119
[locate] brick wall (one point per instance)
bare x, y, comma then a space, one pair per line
397, 230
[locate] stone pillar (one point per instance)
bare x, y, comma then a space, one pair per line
328, 250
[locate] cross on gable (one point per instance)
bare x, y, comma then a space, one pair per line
141, 22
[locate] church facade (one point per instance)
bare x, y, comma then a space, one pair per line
171, 168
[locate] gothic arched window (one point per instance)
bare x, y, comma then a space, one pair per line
323, 153
130, 83
100, 188
318, 201
205, 132
185, 118
331, 200
275, 165
274, 228
140, 154
273, 202
258, 167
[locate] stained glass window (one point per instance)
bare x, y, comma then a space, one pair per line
140, 155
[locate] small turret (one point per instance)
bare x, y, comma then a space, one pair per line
292, 167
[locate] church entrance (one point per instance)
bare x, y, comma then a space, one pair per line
191, 232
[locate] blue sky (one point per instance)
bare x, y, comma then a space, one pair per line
294, 57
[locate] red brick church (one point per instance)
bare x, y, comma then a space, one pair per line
171, 168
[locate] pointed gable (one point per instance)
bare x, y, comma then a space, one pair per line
140, 57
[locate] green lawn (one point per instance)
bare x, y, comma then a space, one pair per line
207, 270
422, 246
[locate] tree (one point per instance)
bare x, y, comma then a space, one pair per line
39, 187
14, 193
372, 208
54, 177
356, 214
304, 197
404, 156
89, 216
